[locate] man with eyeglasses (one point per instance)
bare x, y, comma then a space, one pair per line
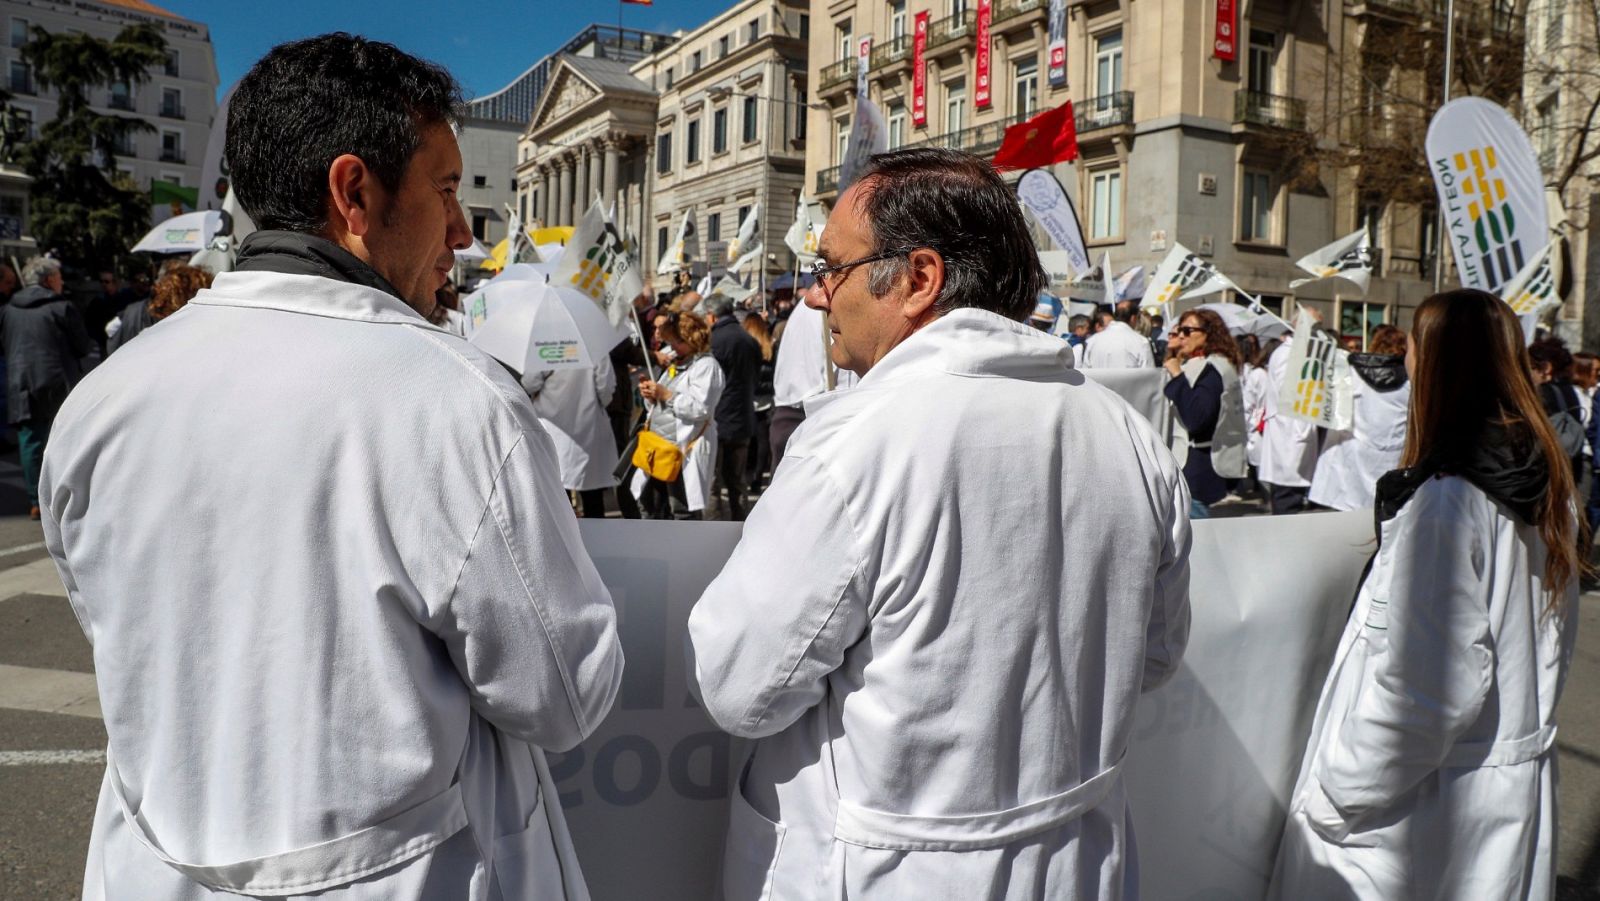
935, 632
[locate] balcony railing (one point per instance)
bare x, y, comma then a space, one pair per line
171, 155
836, 73
1009, 9
1105, 111
981, 140
122, 102
891, 51
171, 111
1272, 110
960, 26
1497, 17
828, 180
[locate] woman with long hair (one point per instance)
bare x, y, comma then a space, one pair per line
1352, 460
1430, 771
1205, 394
683, 405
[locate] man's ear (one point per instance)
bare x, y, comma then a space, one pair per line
925, 277
350, 195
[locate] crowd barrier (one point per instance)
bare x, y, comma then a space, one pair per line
1214, 755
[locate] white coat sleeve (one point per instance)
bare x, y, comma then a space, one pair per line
1167, 635
605, 381
530, 626
695, 400
784, 610
1429, 681
533, 382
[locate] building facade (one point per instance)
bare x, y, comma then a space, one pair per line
178, 101
488, 181
729, 132
1240, 159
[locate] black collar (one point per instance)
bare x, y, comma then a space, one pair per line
298, 253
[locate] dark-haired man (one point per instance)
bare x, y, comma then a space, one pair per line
1117, 345
337, 597
930, 625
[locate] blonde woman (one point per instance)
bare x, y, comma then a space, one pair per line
683, 404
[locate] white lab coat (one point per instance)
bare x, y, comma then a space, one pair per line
800, 370
1117, 346
332, 583
571, 404
927, 617
689, 421
1289, 445
1352, 461
1255, 385
1429, 772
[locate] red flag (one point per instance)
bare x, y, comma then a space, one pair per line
1050, 137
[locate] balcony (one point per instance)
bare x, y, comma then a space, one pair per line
1105, 111
837, 73
959, 27
980, 140
172, 155
1011, 9
1270, 110
891, 51
121, 102
172, 111
828, 180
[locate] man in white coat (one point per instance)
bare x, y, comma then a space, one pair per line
934, 632
337, 598
1118, 346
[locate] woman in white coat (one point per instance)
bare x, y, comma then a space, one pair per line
1352, 461
1288, 445
1430, 771
571, 404
683, 405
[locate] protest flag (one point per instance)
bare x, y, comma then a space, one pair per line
1184, 274
597, 263
747, 231
1533, 290
1349, 258
1050, 137
806, 232
1317, 388
677, 256
868, 136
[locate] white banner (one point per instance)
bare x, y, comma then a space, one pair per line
747, 261
868, 136
1184, 274
1533, 290
596, 264
747, 231
1215, 751
1130, 285
1044, 196
1317, 387
806, 232
1491, 192
677, 256
1349, 258
1058, 269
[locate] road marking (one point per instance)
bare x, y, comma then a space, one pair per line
39, 758
22, 549
38, 577
49, 691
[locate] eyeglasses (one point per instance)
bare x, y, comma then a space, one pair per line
821, 272
1187, 330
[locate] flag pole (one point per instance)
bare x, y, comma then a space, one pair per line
1439, 241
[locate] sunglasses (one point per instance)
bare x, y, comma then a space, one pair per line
1187, 330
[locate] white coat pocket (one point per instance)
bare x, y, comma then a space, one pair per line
751, 855
525, 863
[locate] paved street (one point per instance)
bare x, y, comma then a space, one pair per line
52, 741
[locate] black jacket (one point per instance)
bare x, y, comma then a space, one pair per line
739, 355
45, 342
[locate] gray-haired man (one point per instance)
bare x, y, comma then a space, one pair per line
44, 342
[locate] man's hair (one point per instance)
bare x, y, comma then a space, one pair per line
1078, 321
719, 306
38, 269
1125, 311
955, 204
308, 102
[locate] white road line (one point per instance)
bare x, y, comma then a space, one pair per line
48, 691
38, 577
22, 549
37, 758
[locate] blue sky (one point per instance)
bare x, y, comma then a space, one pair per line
484, 49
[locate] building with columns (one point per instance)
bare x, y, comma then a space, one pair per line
589, 137
729, 131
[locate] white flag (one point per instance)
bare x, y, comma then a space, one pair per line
806, 232
1096, 284
519, 247
1533, 290
1184, 274
1349, 258
1130, 285
596, 264
747, 231
747, 260
1041, 194
1317, 388
677, 256
868, 136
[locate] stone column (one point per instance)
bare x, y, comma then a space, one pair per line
546, 182
563, 208
613, 158
595, 184
580, 193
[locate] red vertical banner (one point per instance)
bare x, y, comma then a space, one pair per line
919, 72
980, 94
1227, 45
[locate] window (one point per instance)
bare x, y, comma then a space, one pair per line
122, 145
1255, 207
1428, 239
170, 66
172, 103
661, 242
955, 105
800, 115
1371, 214
805, 26
121, 96
669, 78
752, 32
1263, 47
1025, 82
722, 45
897, 126
714, 227
1545, 130
897, 19
719, 131
171, 147
846, 39
841, 137
694, 61
691, 150
749, 133
1358, 319
1105, 214
19, 32
480, 181
1108, 63
21, 78
663, 152
480, 226
23, 118
956, 7
744, 212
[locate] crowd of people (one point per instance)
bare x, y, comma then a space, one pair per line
374, 611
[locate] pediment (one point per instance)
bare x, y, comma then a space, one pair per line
568, 90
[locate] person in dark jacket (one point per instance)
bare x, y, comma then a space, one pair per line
1208, 401
739, 355
45, 342
1552, 372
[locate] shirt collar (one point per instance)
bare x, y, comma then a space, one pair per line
309, 294
970, 341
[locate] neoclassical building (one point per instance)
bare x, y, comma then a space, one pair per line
590, 136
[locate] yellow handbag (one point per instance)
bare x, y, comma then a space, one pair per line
657, 457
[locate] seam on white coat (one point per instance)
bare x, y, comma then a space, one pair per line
494, 485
